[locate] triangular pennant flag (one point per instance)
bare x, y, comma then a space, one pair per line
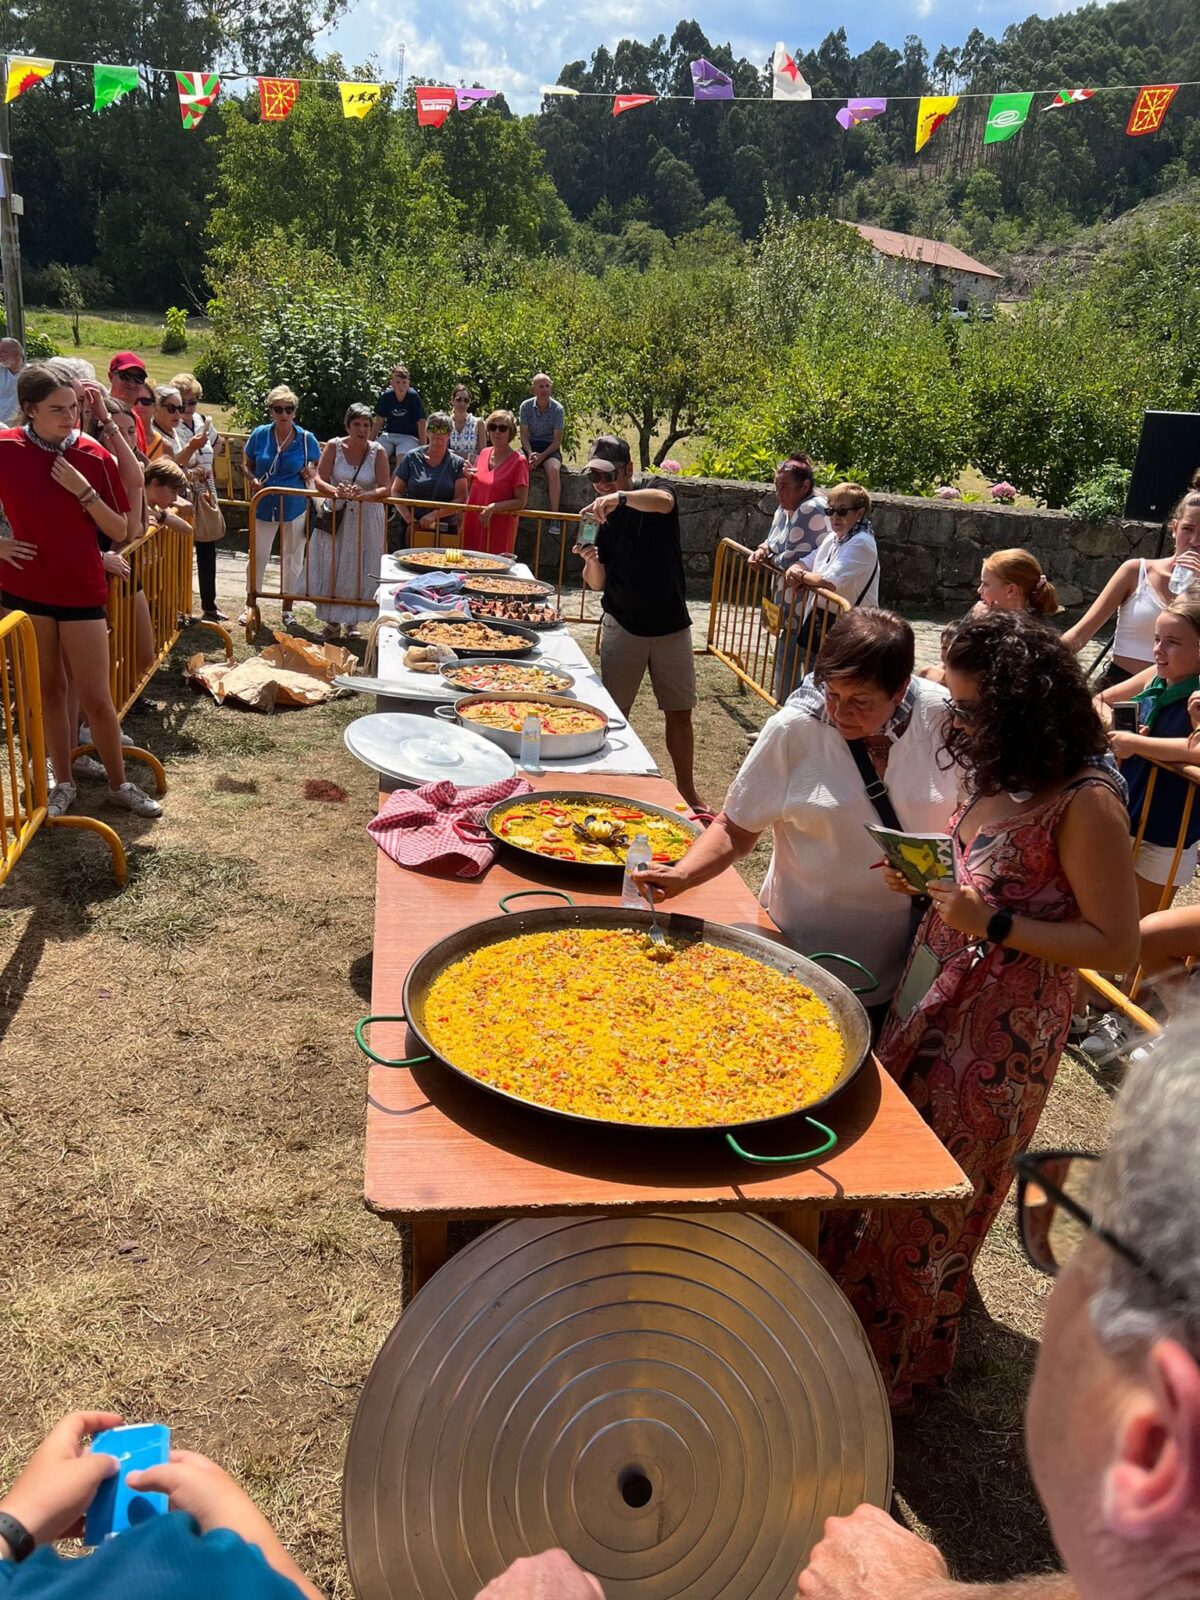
110, 83
358, 98
709, 82
787, 81
470, 97
626, 102
931, 113
558, 88
25, 72
1006, 116
1150, 108
434, 106
856, 111
1069, 97
197, 91
276, 97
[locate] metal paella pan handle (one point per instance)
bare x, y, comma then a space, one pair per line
803, 1155
832, 955
524, 894
382, 1061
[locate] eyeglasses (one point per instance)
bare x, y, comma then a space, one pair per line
1054, 1215
962, 710
842, 511
168, 406
498, 427
283, 411
143, 400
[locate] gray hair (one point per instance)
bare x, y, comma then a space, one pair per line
164, 392
71, 369
439, 422
1148, 1196
355, 410
13, 344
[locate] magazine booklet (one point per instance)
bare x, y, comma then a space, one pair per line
923, 858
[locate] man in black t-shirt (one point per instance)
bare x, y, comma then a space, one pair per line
399, 421
637, 561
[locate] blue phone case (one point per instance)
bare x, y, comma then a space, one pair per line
116, 1507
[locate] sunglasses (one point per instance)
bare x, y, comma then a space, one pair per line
143, 400
498, 427
842, 511
130, 377
168, 406
190, 405
600, 477
283, 411
965, 711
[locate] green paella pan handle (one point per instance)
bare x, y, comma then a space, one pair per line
382, 1061
524, 894
832, 955
802, 1155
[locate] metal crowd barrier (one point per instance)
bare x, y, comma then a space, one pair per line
341, 567
24, 790
229, 472
767, 636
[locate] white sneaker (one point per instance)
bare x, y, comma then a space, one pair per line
134, 799
243, 619
85, 736
62, 798
1112, 1038
87, 767
289, 619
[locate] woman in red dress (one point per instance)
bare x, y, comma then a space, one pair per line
500, 486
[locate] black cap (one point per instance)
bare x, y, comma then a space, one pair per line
608, 451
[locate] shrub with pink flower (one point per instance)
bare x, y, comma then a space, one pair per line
948, 492
1003, 494
670, 465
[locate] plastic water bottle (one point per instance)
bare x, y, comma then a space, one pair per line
531, 744
1182, 578
638, 855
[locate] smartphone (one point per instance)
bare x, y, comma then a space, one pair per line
116, 1507
1125, 716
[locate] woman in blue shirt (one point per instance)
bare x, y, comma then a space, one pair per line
281, 455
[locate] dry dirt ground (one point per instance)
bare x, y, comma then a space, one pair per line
181, 1113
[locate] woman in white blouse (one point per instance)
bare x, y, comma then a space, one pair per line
467, 437
802, 781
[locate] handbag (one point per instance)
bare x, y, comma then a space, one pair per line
208, 520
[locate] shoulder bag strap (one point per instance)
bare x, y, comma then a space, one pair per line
876, 788
867, 585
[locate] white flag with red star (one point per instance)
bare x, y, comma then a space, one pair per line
789, 82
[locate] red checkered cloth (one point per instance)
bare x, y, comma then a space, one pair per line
439, 826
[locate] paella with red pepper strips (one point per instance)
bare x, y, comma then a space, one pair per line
592, 830
577, 1020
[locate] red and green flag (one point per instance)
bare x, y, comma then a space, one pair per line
197, 91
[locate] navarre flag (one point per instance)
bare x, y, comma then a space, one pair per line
1150, 107
931, 113
434, 106
1069, 97
197, 91
25, 72
856, 111
787, 81
110, 83
276, 97
471, 97
1006, 116
709, 82
358, 98
626, 102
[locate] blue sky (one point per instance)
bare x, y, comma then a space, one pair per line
521, 44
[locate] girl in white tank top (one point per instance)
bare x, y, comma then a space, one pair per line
1133, 639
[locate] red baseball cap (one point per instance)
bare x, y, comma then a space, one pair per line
126, 361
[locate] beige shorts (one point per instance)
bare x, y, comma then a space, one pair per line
624, 658
1153, 862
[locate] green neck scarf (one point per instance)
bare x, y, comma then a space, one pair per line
1161, 695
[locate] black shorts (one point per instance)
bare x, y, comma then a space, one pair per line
536, 449
41, 608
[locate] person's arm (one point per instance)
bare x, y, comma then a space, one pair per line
376, 425
111, 523
1113, 595
516, 501
324, 478
250, 471
657, 502
595, 576
399, 489
1176, 752
60, 1480
523, 429
480, 437
460, 498
117, 445
721, 845
1093, 846
383, 477
853, 564
1130, 688
422, 431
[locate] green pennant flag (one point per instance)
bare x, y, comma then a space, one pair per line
110, 83
1006, 116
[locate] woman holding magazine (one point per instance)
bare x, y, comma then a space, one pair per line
1045, 885
858, 745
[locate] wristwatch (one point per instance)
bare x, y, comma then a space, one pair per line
621, 497
999, 926
16, 1536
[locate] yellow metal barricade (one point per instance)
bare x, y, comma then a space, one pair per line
766, 636
23, 786
229, 472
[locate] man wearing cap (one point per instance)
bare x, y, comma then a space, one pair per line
637, 561
127, 381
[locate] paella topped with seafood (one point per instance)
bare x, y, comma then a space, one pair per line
578, 1021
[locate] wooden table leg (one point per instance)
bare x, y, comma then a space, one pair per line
803, 1225
428, 1249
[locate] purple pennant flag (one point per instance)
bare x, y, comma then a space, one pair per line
470, 97
709, 82
856, 111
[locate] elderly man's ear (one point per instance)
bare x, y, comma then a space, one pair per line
1154, 1481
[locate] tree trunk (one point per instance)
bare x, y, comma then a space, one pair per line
673, 437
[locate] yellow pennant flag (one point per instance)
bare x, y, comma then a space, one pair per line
931, 113
25, 72
358, 98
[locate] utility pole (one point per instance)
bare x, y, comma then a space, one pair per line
10, 246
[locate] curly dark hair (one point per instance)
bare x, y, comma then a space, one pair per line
1033, 723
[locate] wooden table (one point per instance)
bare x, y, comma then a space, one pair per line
440, 1149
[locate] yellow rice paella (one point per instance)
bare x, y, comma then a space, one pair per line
578, 1020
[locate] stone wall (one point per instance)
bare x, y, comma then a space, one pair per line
930, 550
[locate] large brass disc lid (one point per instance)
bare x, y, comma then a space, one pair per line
678, 1400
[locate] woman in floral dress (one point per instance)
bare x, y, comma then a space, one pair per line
1044, 886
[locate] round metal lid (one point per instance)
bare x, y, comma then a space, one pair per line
678, 1400
414, 749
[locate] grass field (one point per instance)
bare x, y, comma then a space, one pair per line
181, 1120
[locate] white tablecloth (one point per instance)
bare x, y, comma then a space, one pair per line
420, 692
